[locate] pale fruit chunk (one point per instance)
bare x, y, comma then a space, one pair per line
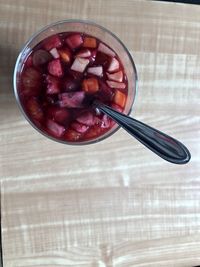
116, 85
72, 99
54, 53
54, 128
85, 53
80, 64
114, 65
117, 76
98, 71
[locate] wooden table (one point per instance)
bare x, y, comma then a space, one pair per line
113, 204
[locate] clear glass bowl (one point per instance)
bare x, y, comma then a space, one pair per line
90, 28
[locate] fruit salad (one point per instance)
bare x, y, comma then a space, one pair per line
60, 79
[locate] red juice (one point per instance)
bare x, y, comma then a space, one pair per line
60, 79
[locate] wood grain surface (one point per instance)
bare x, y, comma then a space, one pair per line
112, 204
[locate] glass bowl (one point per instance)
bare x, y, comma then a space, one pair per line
90, 28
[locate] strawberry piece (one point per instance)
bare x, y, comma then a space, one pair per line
114, 65
117, 76
70, 84
93, 132
41, 57
80, 64
90, 85
116, 85
55, 68
53, 85
116, 107
119, 98
105, 93
51, 42
54, 53
71, 135
90, 42
54, 128
65, 54
102, 59
71, 100
60, 115
105, 123
85, 53
34, 109
31, 80
79, 127
74, 41
98, 71
106, 50
86, 118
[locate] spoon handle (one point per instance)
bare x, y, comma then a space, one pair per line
162, 144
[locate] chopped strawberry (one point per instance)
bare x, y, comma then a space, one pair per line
86, 118
53, 85
85, 53
70, 84
79, 127
117, 76
90, 42
106, 50
119, 98
71, 135
93, 132
71, 100
54, 53
114, 65
60, 115
41, 57
80, 64
116, 107
102, 59
54, 128
98, 71
90, 85
65, 55
51, 42
34, 109
74, 41
105, 93
116, 85
31, 80
105, 121
55, 68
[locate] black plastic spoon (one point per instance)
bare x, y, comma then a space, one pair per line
162, 144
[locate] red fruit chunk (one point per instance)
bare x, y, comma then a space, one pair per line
51, 42
114, 65
120, 98
90, 85
65, 54
54, 128
117, 76
93, 132
71, 135
53, 85
55, 68
71, 100
29, 61
31, 80
102, 59
41, 57
80, 64
106, 50
116, 107
87, 118
79, 127
105, 93
84, 53
105, 122
54, 53
98, 71
34, 109
70, 84
90, 42
60, 115
116, 85
74, 41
